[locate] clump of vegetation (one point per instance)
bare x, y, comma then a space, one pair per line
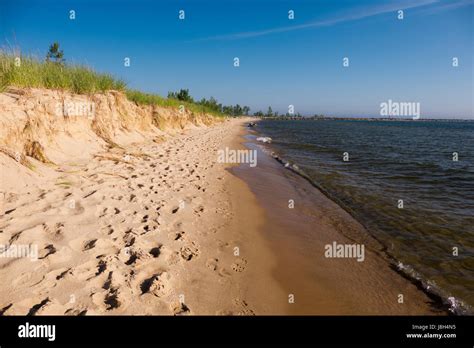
211, 104
154, 99
53, 73
269, 113
21, 71
55, 54
182, 95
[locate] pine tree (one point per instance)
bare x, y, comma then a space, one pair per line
269, 112
55, 54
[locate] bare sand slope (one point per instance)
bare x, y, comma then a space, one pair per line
150, 228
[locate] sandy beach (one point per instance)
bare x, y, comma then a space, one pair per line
164, 229
145, 220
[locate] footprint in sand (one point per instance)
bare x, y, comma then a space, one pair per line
239, 265
224, 273
189, 251
156, 251
180, 308
4, 309
37, 307
130, 257
149, 227
46, 251
111, 299
59, 274
221, 245
89, 244
76, 312
212, 264
242, 307
88, 270
56, 233
106, 230
128, 239
158, 284
108, 211
176, 235
173, 258
199, 210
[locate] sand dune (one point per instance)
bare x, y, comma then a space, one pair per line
142, 228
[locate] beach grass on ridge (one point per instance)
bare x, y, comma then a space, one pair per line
31, 72
154, 99
80, 79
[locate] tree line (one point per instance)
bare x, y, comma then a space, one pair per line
231, 110
212, 103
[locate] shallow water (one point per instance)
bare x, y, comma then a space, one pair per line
392, 161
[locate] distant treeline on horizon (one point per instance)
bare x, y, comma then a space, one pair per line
355, 118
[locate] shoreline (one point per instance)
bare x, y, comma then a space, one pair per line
439, 302
374, 286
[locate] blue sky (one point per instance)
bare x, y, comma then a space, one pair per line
282, 61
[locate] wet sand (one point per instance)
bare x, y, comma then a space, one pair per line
320, 285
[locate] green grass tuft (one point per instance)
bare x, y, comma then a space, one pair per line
37, 74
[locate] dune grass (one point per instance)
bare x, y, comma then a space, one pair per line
154, 99
34, 73
31, 72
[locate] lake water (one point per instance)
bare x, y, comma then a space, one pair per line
402, 181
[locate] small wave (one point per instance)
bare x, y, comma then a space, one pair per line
452, 304
264, 139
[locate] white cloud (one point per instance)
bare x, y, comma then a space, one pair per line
361, 14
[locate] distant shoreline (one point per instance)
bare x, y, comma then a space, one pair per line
312, 118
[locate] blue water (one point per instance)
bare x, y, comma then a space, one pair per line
392, 161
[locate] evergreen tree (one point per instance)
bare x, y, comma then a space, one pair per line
55, 54
269, 112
